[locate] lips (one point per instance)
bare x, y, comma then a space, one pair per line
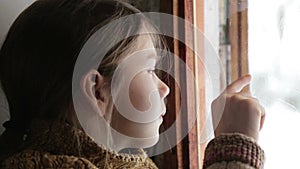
163, 112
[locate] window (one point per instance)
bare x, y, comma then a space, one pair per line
203, 14
274, 32
261, 38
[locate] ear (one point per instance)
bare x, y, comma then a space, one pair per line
92, 85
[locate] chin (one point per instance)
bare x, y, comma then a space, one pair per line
147, 142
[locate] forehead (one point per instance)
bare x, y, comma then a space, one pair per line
144, 41
145, 44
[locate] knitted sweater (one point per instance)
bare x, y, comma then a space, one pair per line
233, 151
62, 146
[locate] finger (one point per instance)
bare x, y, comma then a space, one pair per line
239, 84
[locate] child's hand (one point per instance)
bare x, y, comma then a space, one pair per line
241, 113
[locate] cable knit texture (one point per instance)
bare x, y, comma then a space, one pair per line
233, 151
63, 146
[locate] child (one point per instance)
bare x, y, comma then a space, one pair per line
46, 130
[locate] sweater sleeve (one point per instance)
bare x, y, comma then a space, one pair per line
233, 151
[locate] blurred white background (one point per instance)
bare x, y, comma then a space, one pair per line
274, 58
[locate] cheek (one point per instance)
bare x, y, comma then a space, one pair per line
140, 90
135, 130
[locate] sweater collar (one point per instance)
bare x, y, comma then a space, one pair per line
63, 139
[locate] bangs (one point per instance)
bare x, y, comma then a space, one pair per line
128, 45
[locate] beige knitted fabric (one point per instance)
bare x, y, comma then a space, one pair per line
230, 165
62, 146
233, 151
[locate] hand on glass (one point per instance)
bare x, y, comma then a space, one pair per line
239, 110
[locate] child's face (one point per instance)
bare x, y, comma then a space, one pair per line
139, 104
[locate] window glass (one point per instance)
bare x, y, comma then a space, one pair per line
274, 32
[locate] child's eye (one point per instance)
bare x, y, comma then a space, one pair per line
151, 71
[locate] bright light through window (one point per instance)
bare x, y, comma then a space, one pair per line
274, 59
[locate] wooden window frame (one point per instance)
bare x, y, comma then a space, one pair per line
238, 26
189, 153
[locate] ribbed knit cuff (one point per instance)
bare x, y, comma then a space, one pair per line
234, 147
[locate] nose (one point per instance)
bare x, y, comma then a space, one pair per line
164, 90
